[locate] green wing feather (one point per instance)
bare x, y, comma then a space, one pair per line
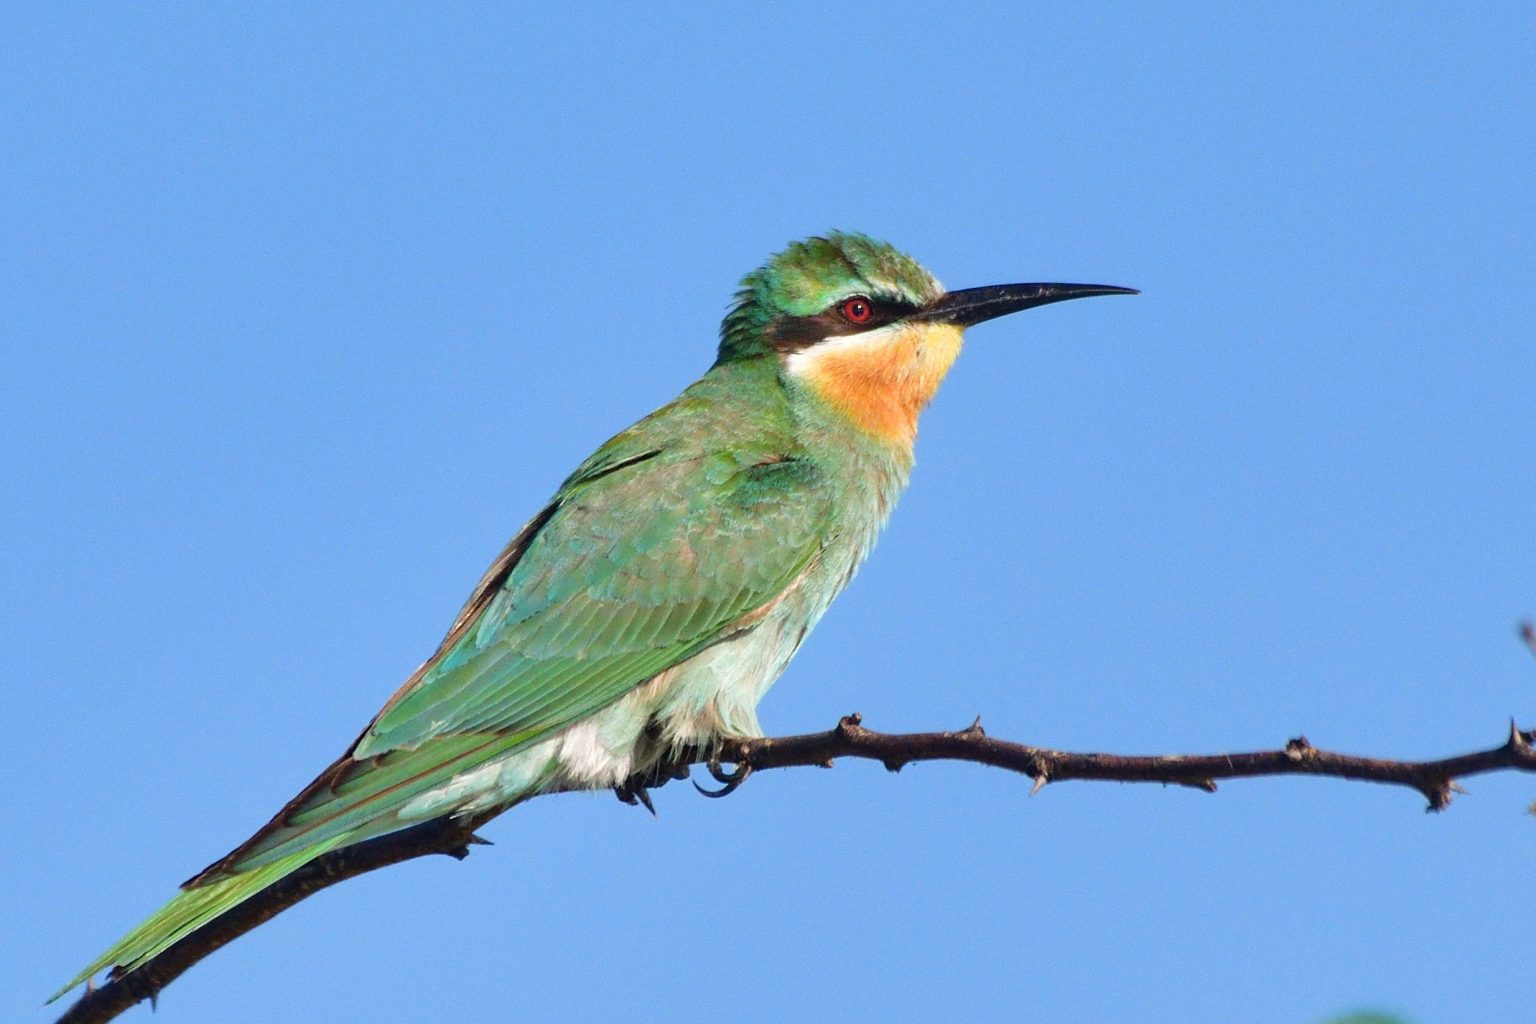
646, 556
634, 572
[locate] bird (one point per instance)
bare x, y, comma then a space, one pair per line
638, 617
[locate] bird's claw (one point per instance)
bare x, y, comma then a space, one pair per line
729, 781
635, 793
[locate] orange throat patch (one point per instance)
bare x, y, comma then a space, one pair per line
881, 380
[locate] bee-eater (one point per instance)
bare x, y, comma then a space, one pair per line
641, 613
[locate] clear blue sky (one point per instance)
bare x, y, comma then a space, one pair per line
305, 311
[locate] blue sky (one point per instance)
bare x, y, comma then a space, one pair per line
305, 311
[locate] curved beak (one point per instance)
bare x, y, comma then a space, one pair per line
971, 306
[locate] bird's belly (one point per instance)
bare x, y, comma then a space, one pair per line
710, 696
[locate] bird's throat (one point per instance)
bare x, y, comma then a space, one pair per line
881, 380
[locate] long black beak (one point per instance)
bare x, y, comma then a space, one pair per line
973, 305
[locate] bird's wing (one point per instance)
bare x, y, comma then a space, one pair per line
637, 565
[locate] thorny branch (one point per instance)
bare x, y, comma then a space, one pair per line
1435, 780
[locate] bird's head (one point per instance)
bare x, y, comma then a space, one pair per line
865, 328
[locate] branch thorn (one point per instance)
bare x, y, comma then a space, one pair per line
1439, 794
1299, 749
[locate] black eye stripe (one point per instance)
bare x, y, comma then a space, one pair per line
881, 312
794, 333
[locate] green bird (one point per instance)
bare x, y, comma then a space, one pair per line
640, 615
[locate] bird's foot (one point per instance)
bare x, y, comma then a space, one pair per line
729, 781
635, 790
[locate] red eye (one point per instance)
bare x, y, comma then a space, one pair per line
856, 310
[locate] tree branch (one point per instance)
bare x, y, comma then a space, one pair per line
1435, 780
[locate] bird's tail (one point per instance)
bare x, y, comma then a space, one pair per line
192, 908
350, 801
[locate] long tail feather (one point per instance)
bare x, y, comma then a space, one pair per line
190, 909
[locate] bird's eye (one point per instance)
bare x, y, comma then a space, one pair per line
856, 310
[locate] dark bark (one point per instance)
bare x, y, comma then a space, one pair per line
1435, 780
